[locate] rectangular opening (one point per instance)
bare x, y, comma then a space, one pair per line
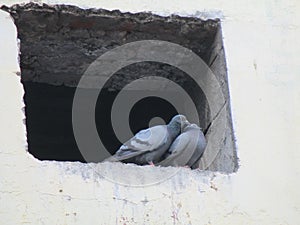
59, 43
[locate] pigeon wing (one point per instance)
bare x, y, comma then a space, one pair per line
177, 148
183, 149
201, 145
145, 140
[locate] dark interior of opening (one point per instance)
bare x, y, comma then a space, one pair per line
49, 112
59, 42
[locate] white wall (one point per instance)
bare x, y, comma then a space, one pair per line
262, 50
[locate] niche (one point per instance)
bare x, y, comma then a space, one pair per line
59, 42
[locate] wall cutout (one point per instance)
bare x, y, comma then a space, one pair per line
59, 42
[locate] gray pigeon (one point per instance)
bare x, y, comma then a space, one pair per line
187, 148
148, 146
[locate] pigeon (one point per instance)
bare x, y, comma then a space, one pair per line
187, 148
148, 145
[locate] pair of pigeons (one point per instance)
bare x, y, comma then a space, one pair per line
178, 143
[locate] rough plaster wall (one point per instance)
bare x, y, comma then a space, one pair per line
217, 64
262, 47
51, 34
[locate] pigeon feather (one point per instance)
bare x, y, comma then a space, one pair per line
148, 145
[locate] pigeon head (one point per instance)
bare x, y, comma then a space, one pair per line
179, 122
